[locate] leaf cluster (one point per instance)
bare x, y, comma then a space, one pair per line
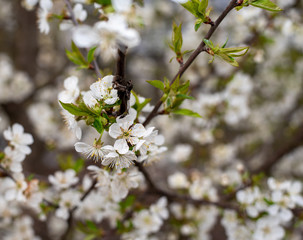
199, 9
226, 54
100, 116
177, 42
77, 57
173, 96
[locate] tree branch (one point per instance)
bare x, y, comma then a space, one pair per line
181, 198
194, 55
123, 86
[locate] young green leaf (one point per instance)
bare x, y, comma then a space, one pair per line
98, 125
90, 54
265, 4
76, 56
186, 112
198, 24
199, 9
177, 38
75, 110
103, 2
184, 96
157, 83
202, 6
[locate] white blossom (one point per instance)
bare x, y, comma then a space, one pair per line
63, 180
103, 90
147, 222
18, 139
71, 92
107, 34
118, 158
96, 152
268, 228
178, 180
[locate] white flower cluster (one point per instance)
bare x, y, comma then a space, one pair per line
196, 222
133, 141
14, 85
149, 221
16, 191
272, 208
282, 197
17, 149
101, 203
199, 188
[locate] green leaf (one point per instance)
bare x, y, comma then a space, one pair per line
189, 6
142, 105
166, 83
90, 54
76, 56
175, 84
224, 45
184, 96
79, 164
186, 112
68, 162
198, 24
157, 83
103, 2
128, 202
202, 6
208, 43
98, 125
265, 4
228, 59
177, 38
232, 51
91, 225
75, 110
184, 87
90, 237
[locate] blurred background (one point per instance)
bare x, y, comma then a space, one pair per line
252, 116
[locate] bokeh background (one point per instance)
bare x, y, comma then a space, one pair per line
252, 116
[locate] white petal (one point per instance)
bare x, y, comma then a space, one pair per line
138, 130
18, 129
46, 4
85, 36
82, 147
121, 146
122, 5
129, 37
115, 130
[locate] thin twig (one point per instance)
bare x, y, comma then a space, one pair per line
70, 221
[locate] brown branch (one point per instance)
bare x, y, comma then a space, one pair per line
274, 153
194, 55
75, 22
123, 86
173, 197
